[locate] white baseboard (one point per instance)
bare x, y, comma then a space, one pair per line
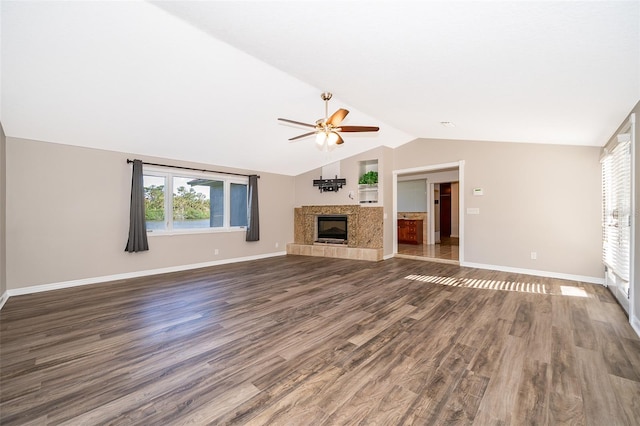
635, 324
559, 275
128, 275
388, 256
3, 299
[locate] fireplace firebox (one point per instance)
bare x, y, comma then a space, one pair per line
332, 229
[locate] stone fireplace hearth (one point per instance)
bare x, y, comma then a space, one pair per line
364, 239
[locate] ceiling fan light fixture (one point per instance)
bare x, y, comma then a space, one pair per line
321, 139
332, 138
326, 141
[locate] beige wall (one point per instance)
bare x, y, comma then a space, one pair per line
67, 209
388, 195
67, 217
3, 230
455, 209
308, 195
542, 198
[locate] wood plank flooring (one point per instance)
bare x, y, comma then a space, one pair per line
297, 340
447, 251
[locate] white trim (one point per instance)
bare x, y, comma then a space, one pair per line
191, 231
632, 230
635, 324
559, 275
137, 274
388, 256
4, 298
394, 218
434, 167
462, 210
431, 220
431, 168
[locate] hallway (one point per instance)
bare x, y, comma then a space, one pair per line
448, 251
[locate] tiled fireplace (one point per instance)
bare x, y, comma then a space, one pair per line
364, 236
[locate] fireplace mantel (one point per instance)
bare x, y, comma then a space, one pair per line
365, 233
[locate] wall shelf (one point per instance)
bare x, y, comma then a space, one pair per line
368, 193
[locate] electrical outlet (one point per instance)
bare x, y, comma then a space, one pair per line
534, 255
277, 245
216, 251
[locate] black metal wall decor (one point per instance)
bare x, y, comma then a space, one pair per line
330, 185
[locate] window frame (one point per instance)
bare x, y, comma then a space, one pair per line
169, 174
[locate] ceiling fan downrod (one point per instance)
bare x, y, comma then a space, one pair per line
326, 96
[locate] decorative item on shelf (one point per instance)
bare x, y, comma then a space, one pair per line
369, 178
331, 185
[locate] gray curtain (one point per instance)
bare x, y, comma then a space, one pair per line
253, 227
137, 224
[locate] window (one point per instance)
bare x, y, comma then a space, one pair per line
616, 208
197, 201
238, 204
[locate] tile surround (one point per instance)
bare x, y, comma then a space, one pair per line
365, 232
330, 250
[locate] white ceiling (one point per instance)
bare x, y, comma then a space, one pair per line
205, 81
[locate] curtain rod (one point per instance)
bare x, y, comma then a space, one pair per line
192, 168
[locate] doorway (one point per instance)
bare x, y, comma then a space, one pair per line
429, 200
446, 222
445, 210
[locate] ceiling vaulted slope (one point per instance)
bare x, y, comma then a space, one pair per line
206, 81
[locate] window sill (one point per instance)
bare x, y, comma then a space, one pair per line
195, 231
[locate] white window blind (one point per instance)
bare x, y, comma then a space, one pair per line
616, 204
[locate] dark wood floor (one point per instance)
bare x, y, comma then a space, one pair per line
305, 341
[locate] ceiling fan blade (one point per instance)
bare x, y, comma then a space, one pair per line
303, 136
337, 117
358, 129
297, 122
339, 141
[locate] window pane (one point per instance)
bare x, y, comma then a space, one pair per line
195, 203
154, 202
238, 204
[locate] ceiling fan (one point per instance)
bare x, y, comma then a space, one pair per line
326, 129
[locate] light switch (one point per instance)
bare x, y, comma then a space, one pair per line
473, 210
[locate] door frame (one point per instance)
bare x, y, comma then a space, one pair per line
431, 168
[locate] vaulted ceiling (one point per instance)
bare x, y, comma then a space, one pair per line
206, 81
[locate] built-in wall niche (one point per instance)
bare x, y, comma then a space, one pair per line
368, 181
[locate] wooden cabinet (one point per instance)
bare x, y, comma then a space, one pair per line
409, 231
